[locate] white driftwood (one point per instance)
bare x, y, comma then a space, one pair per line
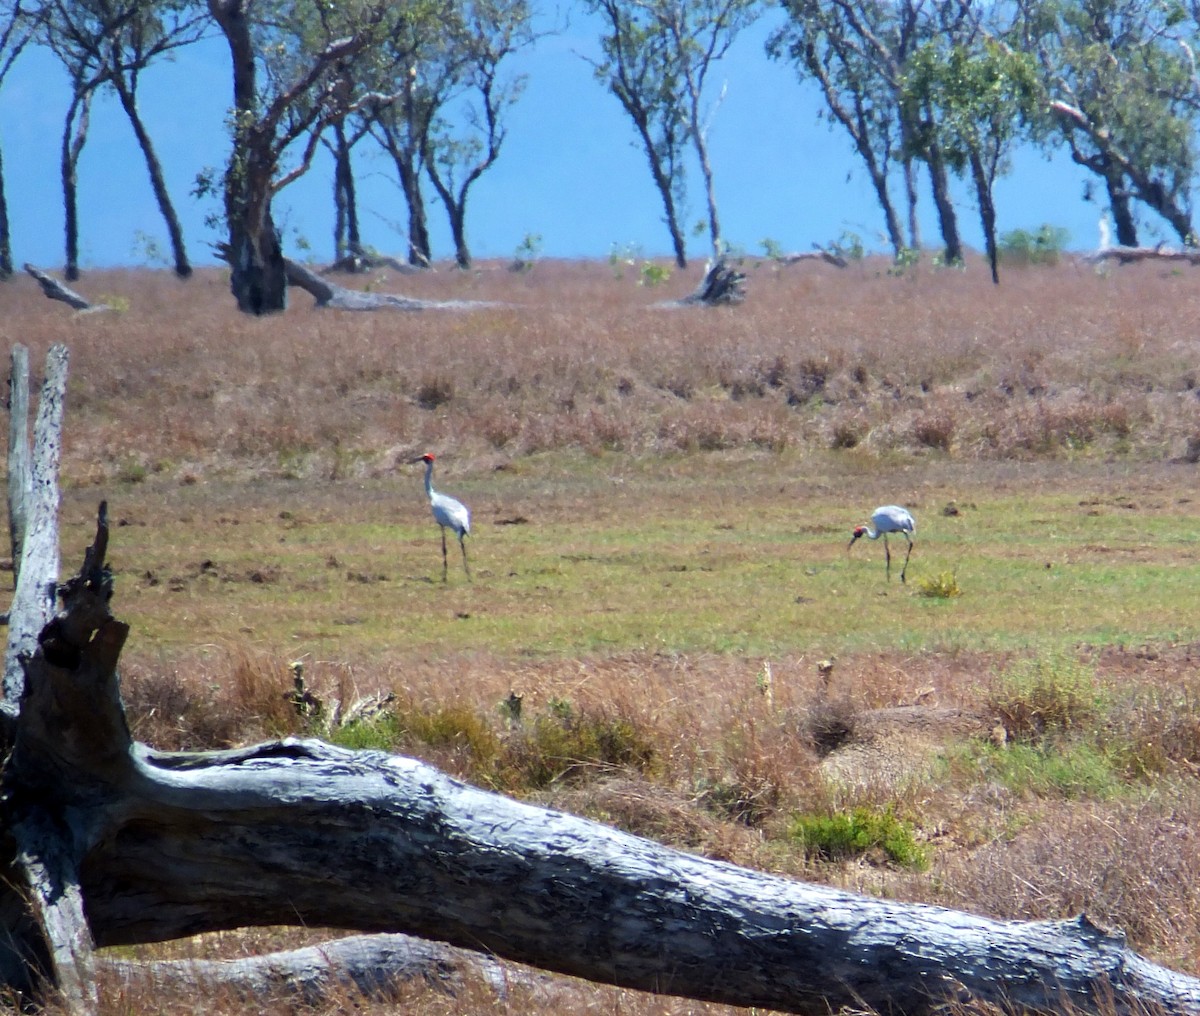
56, 290
329, 294
1128, 255
373, 965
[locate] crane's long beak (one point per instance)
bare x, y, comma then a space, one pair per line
851, 543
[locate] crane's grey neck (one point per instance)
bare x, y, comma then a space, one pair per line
429, 479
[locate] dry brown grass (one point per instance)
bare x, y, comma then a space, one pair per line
189, 410
1053, 362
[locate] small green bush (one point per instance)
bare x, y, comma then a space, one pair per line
842, 835
942, 586
1043, 247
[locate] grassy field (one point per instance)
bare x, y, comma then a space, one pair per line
662, 500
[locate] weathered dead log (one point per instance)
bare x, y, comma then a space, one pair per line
722, 285
1128, 255
19, 479
114, 843
329, 294
372, 965
359, 262
33, 500
56, 290
819, 254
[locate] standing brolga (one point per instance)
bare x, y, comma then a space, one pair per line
888, 518
448, 514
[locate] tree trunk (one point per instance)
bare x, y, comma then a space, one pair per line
6, 259
346, 236
665, 187
109, 842
258, 276
947, 219
406, 158
20, 480
75, 129
987, 213
1119, 205
158, 184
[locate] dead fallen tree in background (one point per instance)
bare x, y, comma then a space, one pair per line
1128, 255
56, 290
359, 262
329, 294
722, 285
109, 842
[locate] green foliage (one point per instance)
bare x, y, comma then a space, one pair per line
654, 274
848, 245
942, 586
842, 835
906, 259
526, 254
1042, 247
771, 248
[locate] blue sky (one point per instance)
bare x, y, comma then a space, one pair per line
569, 172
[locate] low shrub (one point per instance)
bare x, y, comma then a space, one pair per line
843, 835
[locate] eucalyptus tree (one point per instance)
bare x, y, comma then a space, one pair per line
461, 137
17, 26
855, 53
108, 44
1122, 94
657, 56
858, 52
977, 95
292, 78
408, 61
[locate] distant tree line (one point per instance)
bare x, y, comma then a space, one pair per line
927, 91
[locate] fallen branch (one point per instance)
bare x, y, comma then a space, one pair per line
372, 965
56, 290
1127, 255
358, 262
329, 294
813, 255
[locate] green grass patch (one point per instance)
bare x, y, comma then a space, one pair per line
844, 835
1062, 770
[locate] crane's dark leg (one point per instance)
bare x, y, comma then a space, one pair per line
906, 557
444, 565
887, 556
463, 544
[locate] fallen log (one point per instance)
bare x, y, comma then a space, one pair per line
374, 966
1129, 255
110, 842
329, 294
56, 290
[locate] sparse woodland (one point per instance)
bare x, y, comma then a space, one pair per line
665, 633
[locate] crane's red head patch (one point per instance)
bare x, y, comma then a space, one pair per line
859, 531
427, 457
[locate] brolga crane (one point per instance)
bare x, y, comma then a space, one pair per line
888, 518
448, 514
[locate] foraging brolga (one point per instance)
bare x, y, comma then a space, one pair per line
448, 514
888, 518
